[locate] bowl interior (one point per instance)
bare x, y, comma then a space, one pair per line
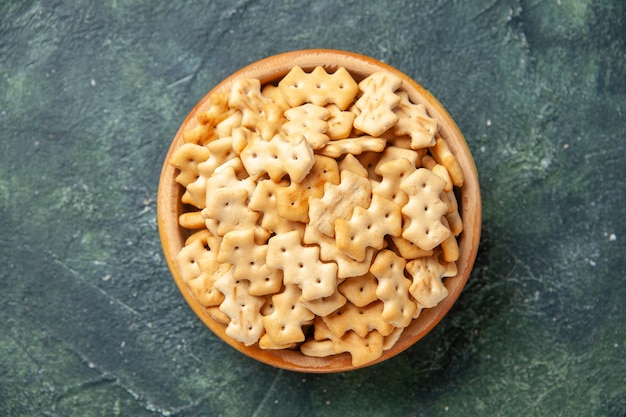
271, 69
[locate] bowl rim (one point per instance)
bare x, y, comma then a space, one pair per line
271, 68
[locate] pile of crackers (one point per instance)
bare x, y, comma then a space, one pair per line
321, 212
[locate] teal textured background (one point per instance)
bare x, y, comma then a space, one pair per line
91, 94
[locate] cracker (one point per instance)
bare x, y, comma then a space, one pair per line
228, 210
361, 349
452, 215
346, 266
393, 288
408, 249
293, 201
318, 348
326, 305
226, 177
308, 120
318, 87
425, 209
361, 320
284, 324
301, 265
189, 258
243, 309
335, 203
376, 104
393, 173
449, 247
439, 170
245, 96
350, 163
204, 131
191, 220
240, 249
355, 146
443, 155
393, 153
390, 340
413, 120
368, 227
220, 151
278, 157
427, 287
360, 290
339, 122
264, 200
370, 160
186, 160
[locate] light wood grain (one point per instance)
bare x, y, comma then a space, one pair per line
270, 69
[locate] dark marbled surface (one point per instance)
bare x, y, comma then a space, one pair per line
91, 94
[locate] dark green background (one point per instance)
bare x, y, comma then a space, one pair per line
91, 94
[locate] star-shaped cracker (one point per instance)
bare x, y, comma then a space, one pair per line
393, 288
339, 201
301, 265
425, 209
284, 324
413, 120
368, 227
248, 259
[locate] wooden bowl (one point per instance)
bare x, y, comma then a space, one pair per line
169, 205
